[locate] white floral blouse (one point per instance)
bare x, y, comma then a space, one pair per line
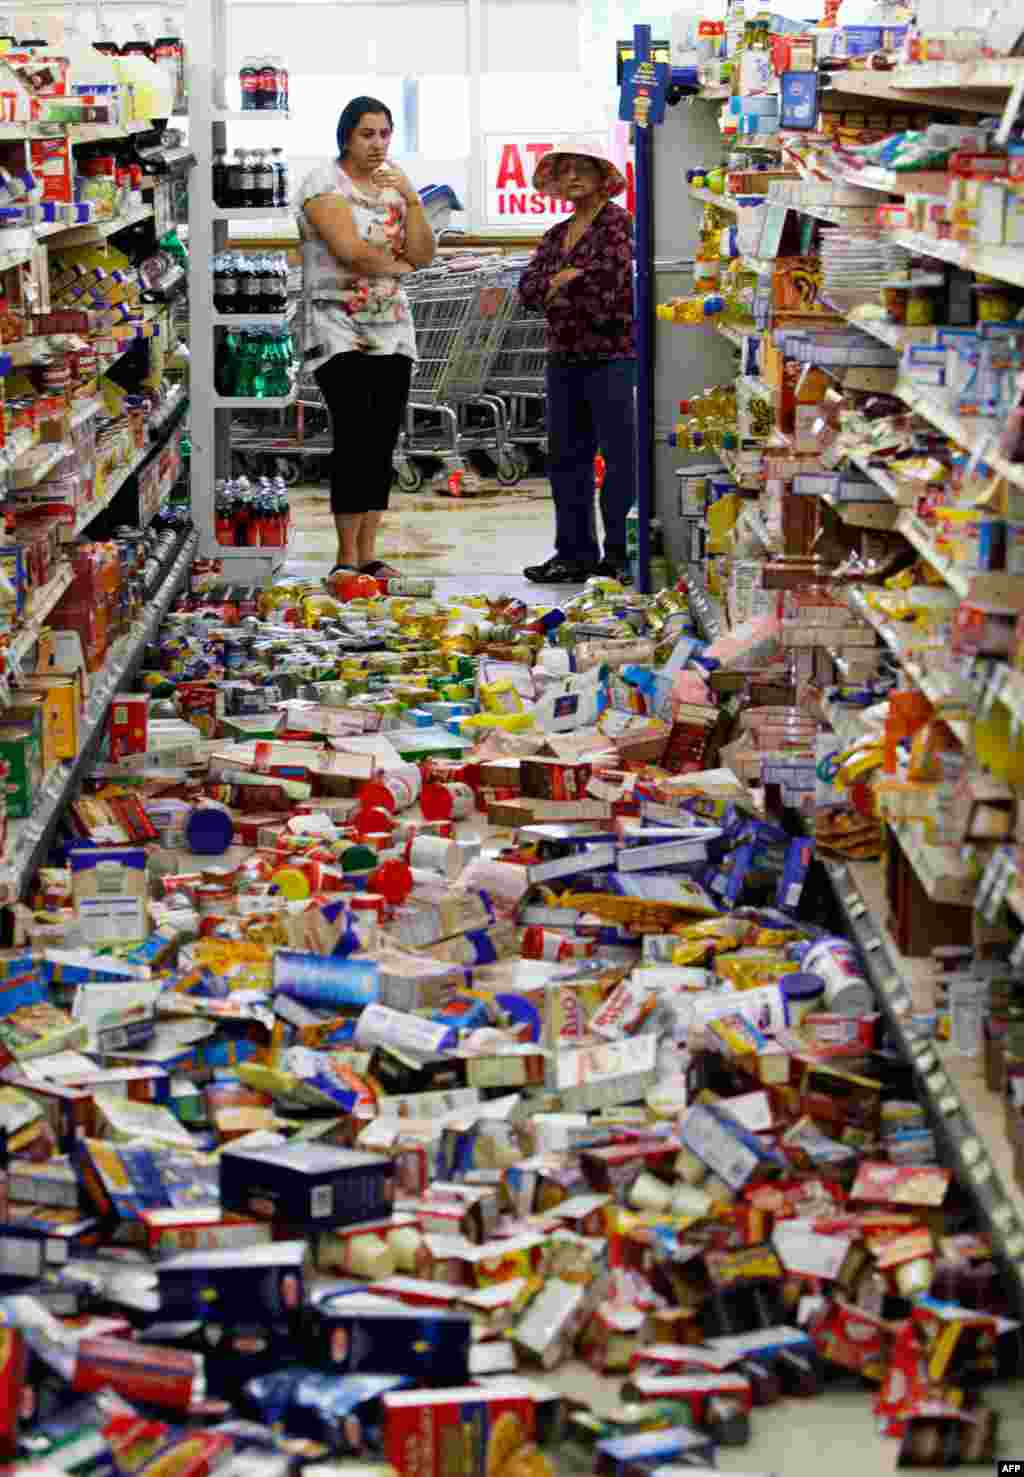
348, 312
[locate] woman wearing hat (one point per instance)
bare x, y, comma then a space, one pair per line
581, 276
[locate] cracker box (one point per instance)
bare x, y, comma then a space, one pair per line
307, 1184
357, 1334
110, 891
460, 1432
263, 1284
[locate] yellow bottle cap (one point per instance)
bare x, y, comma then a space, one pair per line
291, 884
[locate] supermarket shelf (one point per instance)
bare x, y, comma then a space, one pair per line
29, 840
251, 320
884, 87
37, 467
916, 532
999, 73
1006, 263
974, 433
23, 351
41, 604
708, 197
123, 474
876, 474
254, 402
97, 230
939, 689
938, 868
253, 213
257, 115
968, 1120
894, 335
861, 512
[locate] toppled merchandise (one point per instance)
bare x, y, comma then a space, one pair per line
338, 1120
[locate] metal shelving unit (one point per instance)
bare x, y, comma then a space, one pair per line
949, 1084
29, 840
208, 233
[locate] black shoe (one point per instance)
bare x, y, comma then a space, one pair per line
615, 569
557, 571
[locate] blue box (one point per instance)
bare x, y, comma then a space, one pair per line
307, 1184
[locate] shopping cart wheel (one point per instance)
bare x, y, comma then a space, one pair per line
287, 468
509, 471
410, 477
522, 456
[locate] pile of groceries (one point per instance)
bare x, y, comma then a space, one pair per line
415, 1005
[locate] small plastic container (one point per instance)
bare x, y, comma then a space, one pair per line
804, 994
209, 830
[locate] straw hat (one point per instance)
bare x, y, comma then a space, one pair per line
545, 175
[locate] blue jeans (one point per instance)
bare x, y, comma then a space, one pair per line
591, 407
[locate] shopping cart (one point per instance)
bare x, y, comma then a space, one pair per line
459, 311
518, 376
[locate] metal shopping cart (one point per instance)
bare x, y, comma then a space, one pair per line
459, 310
518, 376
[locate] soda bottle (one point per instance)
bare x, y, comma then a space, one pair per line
249, 81
246, 180
268, 85
280, 166
221, 177
169, 53
223, 528
264, 178
236, 179
249, 286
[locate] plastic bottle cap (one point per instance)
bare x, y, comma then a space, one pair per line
358, 859
209, 830
291, 884
393, 880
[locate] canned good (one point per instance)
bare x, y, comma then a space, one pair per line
545, 943
447, 801
393, 789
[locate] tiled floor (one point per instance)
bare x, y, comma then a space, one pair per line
479, 543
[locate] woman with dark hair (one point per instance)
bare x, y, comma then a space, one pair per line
363, 230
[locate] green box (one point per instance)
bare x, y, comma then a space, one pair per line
21, 749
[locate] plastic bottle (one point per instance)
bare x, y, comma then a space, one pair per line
281, 185
263, 172
221, 177
7, 36
169, 54
246, 179
249, 81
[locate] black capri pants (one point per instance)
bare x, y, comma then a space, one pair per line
367, 395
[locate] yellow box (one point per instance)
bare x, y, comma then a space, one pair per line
60, 714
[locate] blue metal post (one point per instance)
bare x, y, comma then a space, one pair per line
643, 310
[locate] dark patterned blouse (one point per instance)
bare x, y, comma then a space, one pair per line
591, 318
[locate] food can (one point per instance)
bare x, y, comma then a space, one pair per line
434, 854
394, 789
450, 801
545, 943
835, 960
